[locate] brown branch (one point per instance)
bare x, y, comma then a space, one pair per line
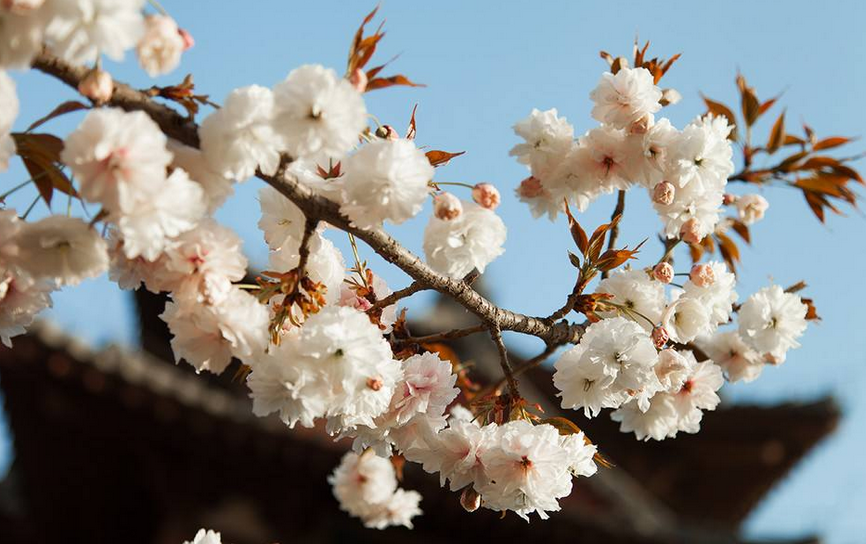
523, 368
304, 252
397, 296
569, 303
323, 209
453, 334
614, 231
496, 335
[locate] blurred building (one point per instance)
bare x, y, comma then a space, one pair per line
112, 446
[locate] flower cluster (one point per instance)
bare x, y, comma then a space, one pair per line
81, 30
621, 362
320, 343
515, 466
366, 486
685, 171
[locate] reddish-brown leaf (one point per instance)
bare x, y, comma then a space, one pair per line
596, 241
577, 232
777, 134
790, 139
719, 109
410, 132
438, 158
843, 170
742, 229
817, 163
728, 249
766, 106
696, 252
828, 143
789, 163
64, 108
384, 82
748, 101
811, 311
613, 258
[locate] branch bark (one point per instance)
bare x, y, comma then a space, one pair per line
614, 231
182, 129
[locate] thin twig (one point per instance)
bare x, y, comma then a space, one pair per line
614, 231
304, 252
397, 296
496, 335
453, 334
520, 370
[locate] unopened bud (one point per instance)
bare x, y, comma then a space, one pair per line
358, 79
663, 272
702, 275
97, 85
375, 383
470, 500
663, 193
486, 195
447, 206
387, 132
188, 40
660, 337
729, 199
670, 96
530, 188
690, 232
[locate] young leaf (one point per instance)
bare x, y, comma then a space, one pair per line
828, 143
720, 110
64, 108
577, 232
438, 158
777, 135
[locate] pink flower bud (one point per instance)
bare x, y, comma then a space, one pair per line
729, 199
486, 195
663, 193
660, 337
188, 40
447, 206
358, 79
97, 85
663, 272
387, 132
530, 188
375, 383
470, 500
691, 231
702, 275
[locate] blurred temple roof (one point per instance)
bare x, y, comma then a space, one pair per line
115, 446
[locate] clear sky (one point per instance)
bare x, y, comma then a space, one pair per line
487, 64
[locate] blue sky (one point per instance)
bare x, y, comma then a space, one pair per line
487, 64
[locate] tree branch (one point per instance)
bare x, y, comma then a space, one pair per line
496, 335
453, 334
614, 231
313, 205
